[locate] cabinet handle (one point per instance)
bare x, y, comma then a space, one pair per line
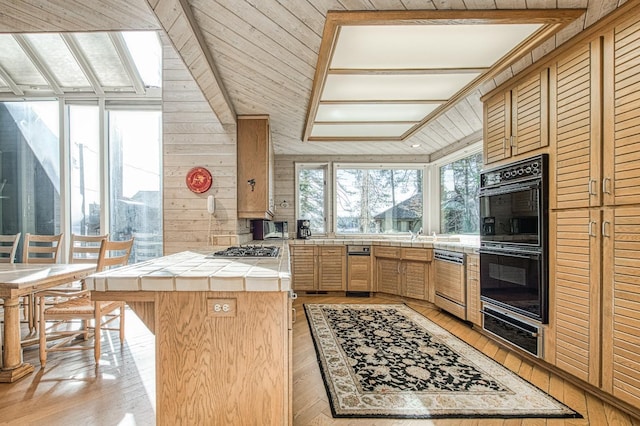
591, 233
591, 187
604, 229
604, 185
293, 315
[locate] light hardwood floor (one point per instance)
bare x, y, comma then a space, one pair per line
70, 391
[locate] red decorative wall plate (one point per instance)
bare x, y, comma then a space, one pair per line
199, 180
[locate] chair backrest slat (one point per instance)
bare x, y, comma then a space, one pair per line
8, 247
45, 248
86, 248
114, 254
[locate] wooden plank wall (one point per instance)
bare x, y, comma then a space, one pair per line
193, 136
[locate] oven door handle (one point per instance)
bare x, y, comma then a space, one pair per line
510, 323
509, 253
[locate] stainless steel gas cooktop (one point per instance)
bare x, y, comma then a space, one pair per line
248, 251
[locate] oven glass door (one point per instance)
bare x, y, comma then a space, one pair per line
514, 280
511, 215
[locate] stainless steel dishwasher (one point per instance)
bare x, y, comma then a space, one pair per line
359, 270
450, 282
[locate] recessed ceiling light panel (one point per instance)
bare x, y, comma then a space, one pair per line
393, 87
374, 112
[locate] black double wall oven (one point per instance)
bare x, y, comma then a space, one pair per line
513, 251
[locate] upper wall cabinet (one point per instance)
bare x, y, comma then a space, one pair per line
516, 121
255, 168
576, 126
620, 183
595, 97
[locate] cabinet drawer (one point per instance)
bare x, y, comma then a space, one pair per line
392, 252
451, 307
424, 255
300, 250
332, 250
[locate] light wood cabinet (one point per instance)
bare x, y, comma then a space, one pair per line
574, 299
255, 168
404, 272
450, 288
388, 275
516, 121
318, 268
332, 268
359, 273
473, 290
304, 274
621, 304
595, 222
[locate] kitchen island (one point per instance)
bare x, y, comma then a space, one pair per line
223, 334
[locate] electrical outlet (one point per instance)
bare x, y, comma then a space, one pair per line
222, 307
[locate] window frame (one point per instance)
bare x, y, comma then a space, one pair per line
324, 166
434, 188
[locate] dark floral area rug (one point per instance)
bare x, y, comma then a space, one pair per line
390, 361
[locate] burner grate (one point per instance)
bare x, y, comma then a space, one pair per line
248, 251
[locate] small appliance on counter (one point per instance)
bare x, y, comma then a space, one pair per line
304, 229
268, 230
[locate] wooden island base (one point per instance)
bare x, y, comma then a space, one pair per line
221, 357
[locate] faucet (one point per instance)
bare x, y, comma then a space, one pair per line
415, 235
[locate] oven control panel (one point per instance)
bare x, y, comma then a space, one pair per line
522, 170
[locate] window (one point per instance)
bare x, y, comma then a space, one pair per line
378, 200
459, 185
29, 168
311, 184
84, 135
135, 180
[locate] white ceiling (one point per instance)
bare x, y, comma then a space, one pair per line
264, 55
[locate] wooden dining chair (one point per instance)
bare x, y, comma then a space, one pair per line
38, 249
9, 247
56, 320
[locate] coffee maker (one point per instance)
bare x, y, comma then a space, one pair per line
304, 228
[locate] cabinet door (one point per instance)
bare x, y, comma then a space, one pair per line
332, 268
473, 289
450, 281
621, 182
530, 114
388, 275
575, 293
576, 127
253, 168
621, 303
415, 279
497, 127
359, 273
303, 268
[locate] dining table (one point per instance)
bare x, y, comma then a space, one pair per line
21, 279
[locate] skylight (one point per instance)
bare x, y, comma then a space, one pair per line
384, 75
79, 63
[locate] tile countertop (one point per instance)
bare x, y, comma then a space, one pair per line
469, 247
192, 271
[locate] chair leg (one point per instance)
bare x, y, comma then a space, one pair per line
96, 333
42, 333
122, 324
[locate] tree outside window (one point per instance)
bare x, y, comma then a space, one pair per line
459, 186
378, 201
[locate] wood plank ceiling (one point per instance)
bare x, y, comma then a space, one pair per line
259, 56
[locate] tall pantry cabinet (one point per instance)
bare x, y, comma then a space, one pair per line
595, 218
